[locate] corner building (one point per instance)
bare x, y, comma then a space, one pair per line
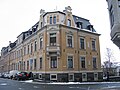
59, 47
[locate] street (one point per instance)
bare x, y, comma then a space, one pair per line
7, 84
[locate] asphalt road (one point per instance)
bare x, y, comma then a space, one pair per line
6, 84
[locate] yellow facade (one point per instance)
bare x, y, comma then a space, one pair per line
54, 51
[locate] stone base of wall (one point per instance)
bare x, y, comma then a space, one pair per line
64, 77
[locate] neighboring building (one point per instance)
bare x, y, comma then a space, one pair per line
59, 47
114, 14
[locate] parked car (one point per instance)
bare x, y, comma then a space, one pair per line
12, 74
22, 76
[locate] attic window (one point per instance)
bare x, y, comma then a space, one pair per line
90, 27
79, 25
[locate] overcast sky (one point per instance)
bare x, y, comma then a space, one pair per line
17, 16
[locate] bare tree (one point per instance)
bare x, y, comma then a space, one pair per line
108, 65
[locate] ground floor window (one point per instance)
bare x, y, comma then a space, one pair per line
40, 76
84, 76
71, 77
28, 65
53, 77
31, 64
24, 65
95, 76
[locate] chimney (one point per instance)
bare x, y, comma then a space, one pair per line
9, 42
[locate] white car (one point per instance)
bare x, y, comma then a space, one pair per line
13, 73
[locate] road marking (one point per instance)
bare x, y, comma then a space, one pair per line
89, 88
3, 84
20, 88
35, 87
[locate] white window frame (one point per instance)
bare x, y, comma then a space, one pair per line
34, 63
54, 19
72, 78
84, 79
52, 36
69, 22
53, 78
67, 41
95, 45
84, 42
85, 62
41, 64
95, 78
39, 42
39, 76
50, 63
96, 62
67, 61
51, 20
35, 44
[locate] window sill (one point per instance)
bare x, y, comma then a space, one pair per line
69, 47
83, 69
70, 68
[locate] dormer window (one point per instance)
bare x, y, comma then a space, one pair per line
68, 22
79, 25
90, 27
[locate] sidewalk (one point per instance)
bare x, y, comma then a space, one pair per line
70, 83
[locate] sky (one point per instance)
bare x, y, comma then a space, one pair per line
17, 16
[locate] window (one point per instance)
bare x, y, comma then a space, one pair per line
41, 43
31, 64
35, 48
24, 65
31, 47
52, 39
20, 64
50, 20
28, 49
90, 27
71, 77
69, 41
82, 43
53, 77
24, 50
27, 65
40, 62
70, 61
95, 76
54, 20
35, 64
82, 59
79, 25
68, 22
93, 45
53, 63
94, 62
84, 77
40, 76
111, 16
